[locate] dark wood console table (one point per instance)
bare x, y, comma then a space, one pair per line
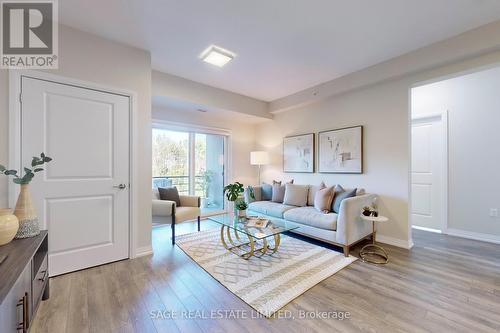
24, 281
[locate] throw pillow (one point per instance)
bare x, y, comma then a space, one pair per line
296, 195
323, 199
312, 193
266, 192
171, 194
341, 194
257, 194
279, 191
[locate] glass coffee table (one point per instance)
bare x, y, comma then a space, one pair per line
246, 241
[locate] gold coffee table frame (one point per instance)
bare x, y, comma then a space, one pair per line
250, 241
369, 251
240, 246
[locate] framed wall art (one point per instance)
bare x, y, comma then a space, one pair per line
341, 150
298, 153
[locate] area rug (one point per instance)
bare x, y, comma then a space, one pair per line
270, 282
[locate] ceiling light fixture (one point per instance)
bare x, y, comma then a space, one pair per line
217, 56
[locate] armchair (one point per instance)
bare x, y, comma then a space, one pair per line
167, 211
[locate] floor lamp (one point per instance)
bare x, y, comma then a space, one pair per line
259, 158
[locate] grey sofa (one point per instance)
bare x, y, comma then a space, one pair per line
343, 229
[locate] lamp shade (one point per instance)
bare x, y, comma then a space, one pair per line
259, 158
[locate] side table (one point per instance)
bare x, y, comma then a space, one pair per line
374, 253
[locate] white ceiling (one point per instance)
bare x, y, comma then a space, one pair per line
282, 46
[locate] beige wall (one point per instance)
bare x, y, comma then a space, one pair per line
383, 109
90, 58
242, 137
472, 102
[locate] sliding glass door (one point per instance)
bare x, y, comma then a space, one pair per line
193, 162
171, 160
209, 170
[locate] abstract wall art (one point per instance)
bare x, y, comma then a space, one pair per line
298, 153
341, 150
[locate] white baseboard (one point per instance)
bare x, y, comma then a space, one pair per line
143, 251
427, 229
395, 241
473, 235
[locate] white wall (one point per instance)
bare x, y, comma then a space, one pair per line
4, 134
91, 58
473, 104
180, 89
383, 109
242, 138
385, 146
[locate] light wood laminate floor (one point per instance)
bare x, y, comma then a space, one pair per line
445, 284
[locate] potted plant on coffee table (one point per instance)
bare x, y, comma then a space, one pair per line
241, 206
233, 192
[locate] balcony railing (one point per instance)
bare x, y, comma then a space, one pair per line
181, 182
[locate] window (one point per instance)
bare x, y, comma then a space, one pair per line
193, 162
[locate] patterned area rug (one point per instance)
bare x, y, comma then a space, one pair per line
270, 282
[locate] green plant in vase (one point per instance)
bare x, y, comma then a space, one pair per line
241, 206
233, 192
25, 210
207, 180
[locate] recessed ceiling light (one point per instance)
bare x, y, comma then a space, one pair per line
217, 56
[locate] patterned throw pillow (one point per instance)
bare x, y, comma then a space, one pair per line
171, 194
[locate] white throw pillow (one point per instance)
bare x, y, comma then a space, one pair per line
156, 194
312, 192
296, 195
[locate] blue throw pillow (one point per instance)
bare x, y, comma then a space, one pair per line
267, 191
341, 194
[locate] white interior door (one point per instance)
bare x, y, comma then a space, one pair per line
427, 176
86, 132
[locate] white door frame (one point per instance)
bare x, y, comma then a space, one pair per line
443, 117
15, 77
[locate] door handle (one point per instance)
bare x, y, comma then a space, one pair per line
24, 325
120, 186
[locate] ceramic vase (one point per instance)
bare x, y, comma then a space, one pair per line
26, 214
9, 225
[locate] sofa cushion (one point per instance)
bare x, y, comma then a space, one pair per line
269, 208
313, 189
186, 213
296, 195
310, 216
